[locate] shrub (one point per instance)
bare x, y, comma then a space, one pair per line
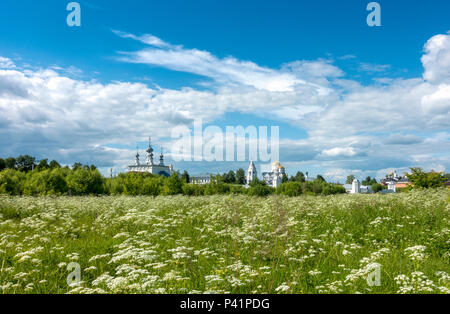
290, 189
85, 181
46, 182
12, 182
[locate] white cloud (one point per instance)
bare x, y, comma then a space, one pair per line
310, 69
373, 68
436, 59
227, 70
438, 102
340, 151
146, 39
6, 63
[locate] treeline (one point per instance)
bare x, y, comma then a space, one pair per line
86, 180
239, 177
76, 181
23, 176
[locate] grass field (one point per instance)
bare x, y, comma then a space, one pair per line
227, 244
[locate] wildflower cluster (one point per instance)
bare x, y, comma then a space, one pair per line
226, 244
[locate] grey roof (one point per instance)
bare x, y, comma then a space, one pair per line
205, 175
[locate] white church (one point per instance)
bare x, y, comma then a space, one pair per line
150, 166
272, 178
357, 188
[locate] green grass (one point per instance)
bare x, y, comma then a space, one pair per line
226, 244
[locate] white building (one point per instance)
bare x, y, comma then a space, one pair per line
274, 178
251, 173
149, 166
392, 187
201, 179
357, 188
394, 181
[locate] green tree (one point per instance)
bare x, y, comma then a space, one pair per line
320, 178
10, 163
46, 182
43, 164
230, 177
152, 185
290, 189
77, 166
259, 188
376, 187
350, 179
284, 178
132, 184
300, 177
174, 185
54, 164
216, 187
25, 163
185, 177
369, 181
218, 178
240, 176
115, 186
2, 164
421, 179
12, 182
83, 181
338, 189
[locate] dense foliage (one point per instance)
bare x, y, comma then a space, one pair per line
87, 180
421, 179
25, 176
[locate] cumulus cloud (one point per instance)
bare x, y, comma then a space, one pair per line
437, 102
436, 59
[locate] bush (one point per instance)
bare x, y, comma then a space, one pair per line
421, 179
46, 182
152, 185
290, 189
376, 187
12, 182
85, 181
194, 189
173, 185
115, 186
260, 190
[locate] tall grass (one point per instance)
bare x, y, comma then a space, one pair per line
226, 244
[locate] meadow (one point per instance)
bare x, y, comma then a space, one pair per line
226, 243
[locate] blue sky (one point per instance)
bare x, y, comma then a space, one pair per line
348, 98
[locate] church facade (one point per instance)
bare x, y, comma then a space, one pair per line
273, 178
150, 166
252, 174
